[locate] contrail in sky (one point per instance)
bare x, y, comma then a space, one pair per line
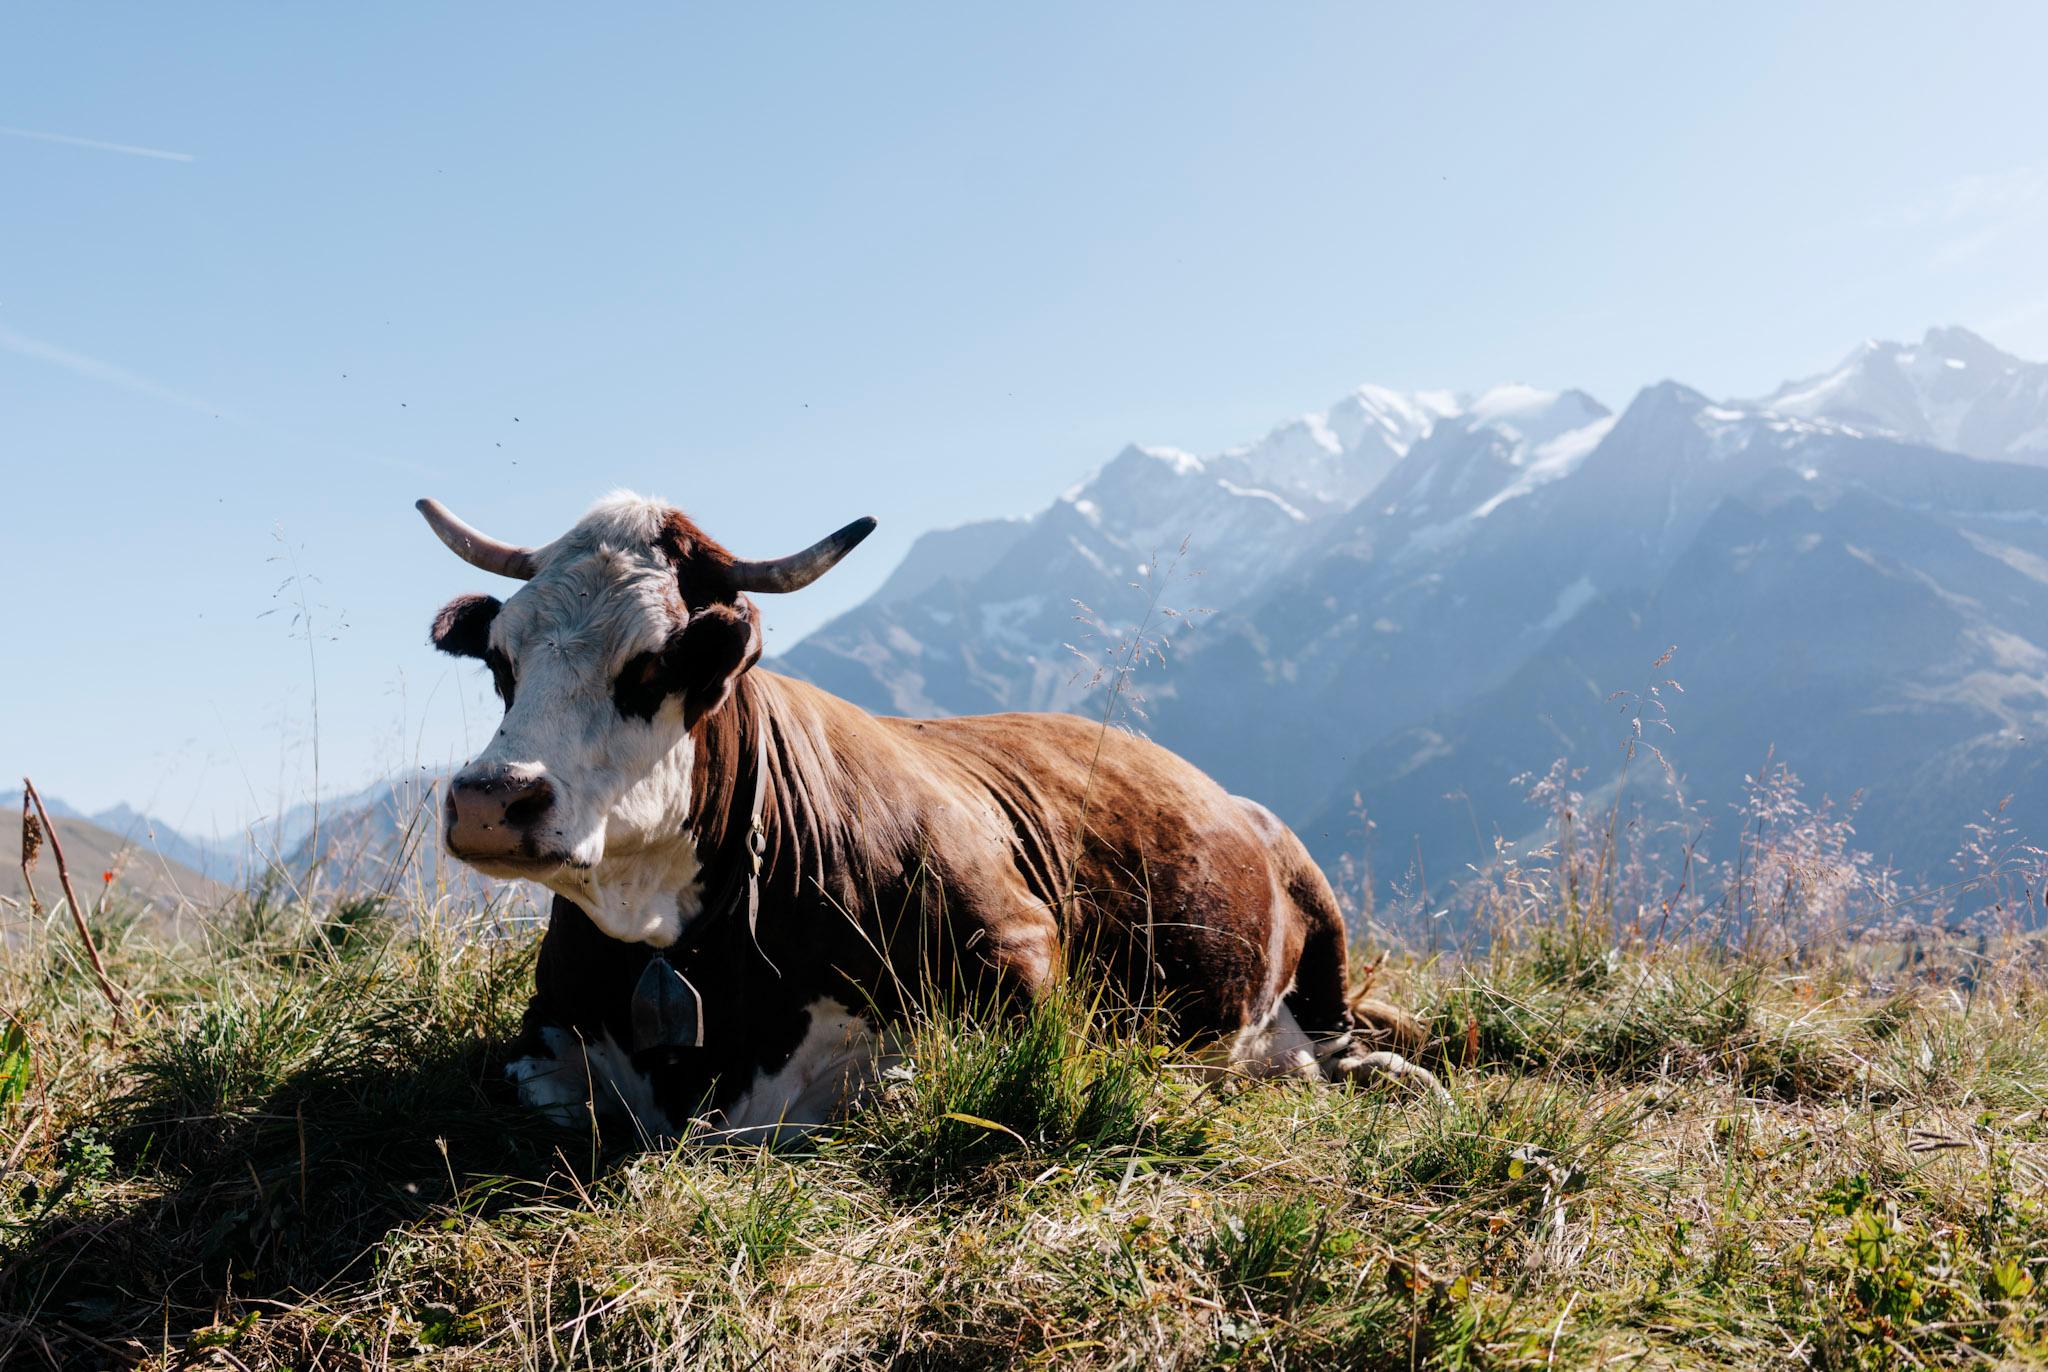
131, 149
82, 365
79, 364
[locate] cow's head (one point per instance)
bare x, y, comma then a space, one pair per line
631, 628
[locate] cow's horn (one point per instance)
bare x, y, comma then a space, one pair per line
799, 570
477, 549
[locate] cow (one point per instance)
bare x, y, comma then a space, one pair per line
755, 881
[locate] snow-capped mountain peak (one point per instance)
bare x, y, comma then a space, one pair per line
1529, 415
1324, 462
1504, 443
1400, 417
1951, 390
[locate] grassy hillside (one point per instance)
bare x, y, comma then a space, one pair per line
126, 872
1739, 1146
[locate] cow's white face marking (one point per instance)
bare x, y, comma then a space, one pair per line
645, 885
604, 594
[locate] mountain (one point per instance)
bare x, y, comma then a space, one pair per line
103, 861
386, 839
1356, 627
1022, 615
1868, 610
1950, 390
370, 839
950, 554
1415, 597
219, 859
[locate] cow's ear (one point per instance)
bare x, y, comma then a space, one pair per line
711, 652
463, 628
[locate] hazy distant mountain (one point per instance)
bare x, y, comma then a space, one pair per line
386, 839
218, 858
959, 553
102, 860
1950, 390
1417, 597
1872, 610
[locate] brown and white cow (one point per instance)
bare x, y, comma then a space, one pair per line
808, 869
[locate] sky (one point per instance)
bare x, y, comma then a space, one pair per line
270, 273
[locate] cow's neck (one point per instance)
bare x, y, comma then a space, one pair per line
658, 871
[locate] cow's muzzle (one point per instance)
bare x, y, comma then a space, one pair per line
499, 814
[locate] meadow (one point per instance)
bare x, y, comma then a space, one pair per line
1775, 1114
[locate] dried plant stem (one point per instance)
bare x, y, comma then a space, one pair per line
92, 952
31, 844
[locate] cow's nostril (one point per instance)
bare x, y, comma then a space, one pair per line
532, 802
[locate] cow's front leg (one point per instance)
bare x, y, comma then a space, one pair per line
838, 1056
547, 1071
571, 1061
576, 1078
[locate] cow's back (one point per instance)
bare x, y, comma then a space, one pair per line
1184, 892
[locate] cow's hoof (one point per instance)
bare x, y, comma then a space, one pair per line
576, 1082
1388, 1027
1383, 1068
558, 1091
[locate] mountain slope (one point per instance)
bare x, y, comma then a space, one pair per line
220, 859
1471, 554
1879, 646
105, 863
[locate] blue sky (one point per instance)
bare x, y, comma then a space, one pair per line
283, 269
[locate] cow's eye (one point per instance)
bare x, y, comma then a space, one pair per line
501, 674
640, 686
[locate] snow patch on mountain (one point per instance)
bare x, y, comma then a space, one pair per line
1549, 461
1572, 599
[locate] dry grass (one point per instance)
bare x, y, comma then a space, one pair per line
1689, 1124
1675, 1157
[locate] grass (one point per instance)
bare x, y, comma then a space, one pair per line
1653, 1155
1058, 1083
